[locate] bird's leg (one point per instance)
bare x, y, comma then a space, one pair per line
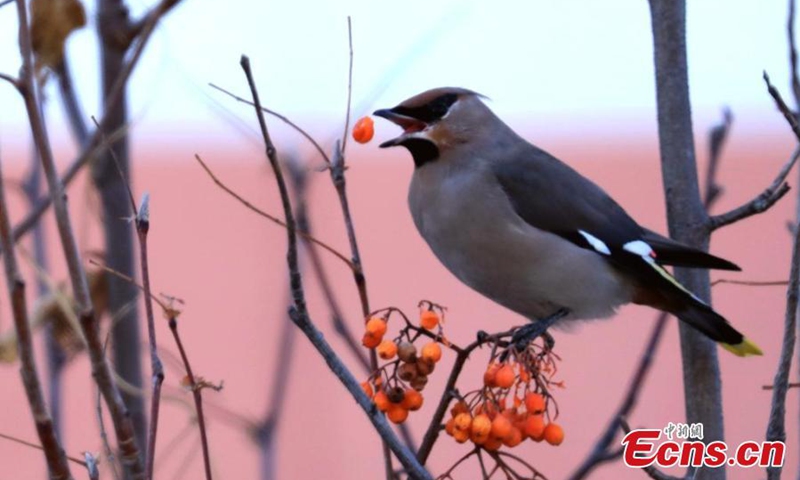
528, 333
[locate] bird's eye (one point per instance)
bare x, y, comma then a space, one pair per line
431, 111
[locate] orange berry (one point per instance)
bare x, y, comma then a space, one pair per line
381, 401
553, 434
459, 407
490, 376
396, 413
534, 427
370, 341
450, 426
513, 439
534, 402
505, 377
493, 444
367, 389
432, 351
429, 319
363, 130
461, 436
524, 375
376, 327
412, 400
463, 421
501, 427
480, 429
387, 349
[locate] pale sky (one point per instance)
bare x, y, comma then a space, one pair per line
566, 66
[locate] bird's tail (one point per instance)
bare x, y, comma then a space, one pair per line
714, 326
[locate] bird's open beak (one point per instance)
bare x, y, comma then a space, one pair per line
408, 124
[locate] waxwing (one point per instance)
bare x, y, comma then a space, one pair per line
527, 231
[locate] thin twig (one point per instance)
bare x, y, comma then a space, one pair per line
266, 432
4, 76
36, 212
600, 451
39, 447
749, 283
138, 28
788, 385
276, 220
776, 426
72, 107
784, 109
717, 138
142, 229
766, 199
280, 117
196, 394
56, 357
793, 55
123, 425
435, 426
349, 84
337, 169
53, 452
299, 312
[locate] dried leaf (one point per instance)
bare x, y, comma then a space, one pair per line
52, 21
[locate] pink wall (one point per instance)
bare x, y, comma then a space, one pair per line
228, 265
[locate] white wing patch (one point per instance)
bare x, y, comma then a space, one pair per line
641, 248
596, 243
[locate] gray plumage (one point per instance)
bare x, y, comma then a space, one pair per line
527, 231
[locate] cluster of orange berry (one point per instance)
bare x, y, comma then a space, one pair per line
395, 387
485, 418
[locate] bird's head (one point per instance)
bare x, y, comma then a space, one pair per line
437, 120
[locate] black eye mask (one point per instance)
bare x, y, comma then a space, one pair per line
431, 111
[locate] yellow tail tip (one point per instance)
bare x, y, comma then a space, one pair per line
743, 349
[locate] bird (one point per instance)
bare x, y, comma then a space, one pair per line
529, 232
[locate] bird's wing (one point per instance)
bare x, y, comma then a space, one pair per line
670, 252
549, 195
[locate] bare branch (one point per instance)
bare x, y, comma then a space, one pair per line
349, 84
793, 54
776, 427
100, 368
299, 313
785, 110
766, 199
771, 283
53, 452
142, 229
717, 139
151, 17
4, 76
38, 447
196, 394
